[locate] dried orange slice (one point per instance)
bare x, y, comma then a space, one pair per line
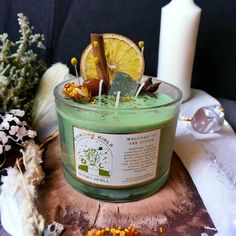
122, 54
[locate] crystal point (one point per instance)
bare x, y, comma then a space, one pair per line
208, 119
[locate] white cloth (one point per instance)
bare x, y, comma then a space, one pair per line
211, 162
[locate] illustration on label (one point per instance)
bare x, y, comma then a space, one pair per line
94, 157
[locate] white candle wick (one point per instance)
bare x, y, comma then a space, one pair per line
100, 89
117, 99
139, 89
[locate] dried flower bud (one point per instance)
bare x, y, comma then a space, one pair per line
95, 43
141, 44
73, 61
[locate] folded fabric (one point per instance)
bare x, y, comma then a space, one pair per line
211, 162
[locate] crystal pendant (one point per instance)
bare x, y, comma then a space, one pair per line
208, 119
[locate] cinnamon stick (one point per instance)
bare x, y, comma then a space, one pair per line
99, 52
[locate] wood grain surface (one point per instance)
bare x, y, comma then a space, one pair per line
176, 209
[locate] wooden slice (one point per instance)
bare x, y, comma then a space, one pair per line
176, 209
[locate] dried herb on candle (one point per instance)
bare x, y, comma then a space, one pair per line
77, 92
150, 88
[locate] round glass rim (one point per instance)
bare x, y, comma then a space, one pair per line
82, 105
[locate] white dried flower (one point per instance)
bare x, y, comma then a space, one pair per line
17, 112
13, 129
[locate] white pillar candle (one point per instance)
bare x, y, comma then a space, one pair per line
178, 34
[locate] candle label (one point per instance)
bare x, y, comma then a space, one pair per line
116, 160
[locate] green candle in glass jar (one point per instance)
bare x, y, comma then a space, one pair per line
118, 154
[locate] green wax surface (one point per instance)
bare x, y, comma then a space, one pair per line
136, 115
141, 102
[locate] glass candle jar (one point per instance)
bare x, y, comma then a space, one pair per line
118, 154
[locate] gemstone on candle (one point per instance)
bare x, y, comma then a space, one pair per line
123, 83
208, 119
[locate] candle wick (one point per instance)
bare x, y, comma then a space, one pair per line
117, 99
139, 89
100, 89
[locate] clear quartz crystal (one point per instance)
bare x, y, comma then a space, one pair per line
208, 119
54, 229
